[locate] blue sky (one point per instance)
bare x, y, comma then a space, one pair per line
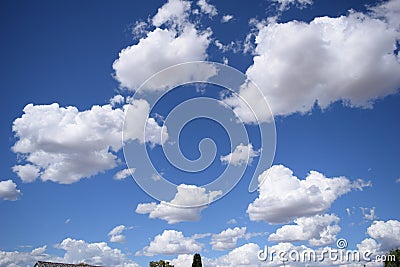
328, 69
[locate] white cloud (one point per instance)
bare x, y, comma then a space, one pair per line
245, 255
369, 245
121, 175
116, 235
283, 197
319, 230
18, 258
226, 18
117, 100
139, 127
179, 42
389, 11
184, 260
368, 214
284, 4
65, 144
227, 239
398, 180
78, 251
174, 11
387, 233
28, 172
171, 242
207, 8
9, 191
183, 208
243, 154
349, 58
39, 251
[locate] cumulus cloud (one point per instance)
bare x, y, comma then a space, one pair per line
100, 253
319, 230
350, 58
183, 208
387, 233
28, 172
283, 197
171, 242
227, 239
18, 258
76, 251
226, 18
116, 235
174, 11
184, 260
121, 175
178, 42
369, 245
245, 255
65, 144
243, 154
117, 100
9, 191
207, 8
139, 127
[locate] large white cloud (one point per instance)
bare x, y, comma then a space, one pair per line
177, 210
227, 239
283, 197
76, 251
171, 242
387, 233
179, 41
350, 58
64, 145
319, 230
9, 191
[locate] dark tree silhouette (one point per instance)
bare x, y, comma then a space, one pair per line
160, 263
197, 260
393, 258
